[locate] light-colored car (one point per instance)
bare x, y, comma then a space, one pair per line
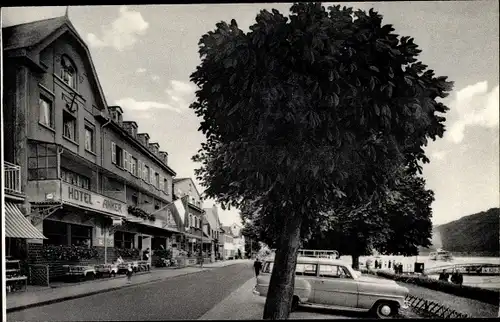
329, 283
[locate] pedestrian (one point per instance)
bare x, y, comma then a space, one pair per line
257, 265
376, 264
130, 271
145, 254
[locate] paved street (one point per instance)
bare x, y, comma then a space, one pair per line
183, 297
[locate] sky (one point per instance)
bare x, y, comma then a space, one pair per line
144, 56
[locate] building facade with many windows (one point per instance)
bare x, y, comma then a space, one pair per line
86, 177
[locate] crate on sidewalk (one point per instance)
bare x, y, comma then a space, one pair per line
39, 275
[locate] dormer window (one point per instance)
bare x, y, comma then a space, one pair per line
68, 72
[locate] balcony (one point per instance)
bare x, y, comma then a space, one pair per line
12, 174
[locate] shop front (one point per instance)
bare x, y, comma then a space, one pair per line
75, 222
18, 230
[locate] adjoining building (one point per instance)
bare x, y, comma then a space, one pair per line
212, 229
234, 241
91, 185
196, 237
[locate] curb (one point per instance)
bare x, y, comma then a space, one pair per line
72, 297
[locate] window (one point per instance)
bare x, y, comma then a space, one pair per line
157, 180
117, 155
124, 240
56, 232
89, 138
334, 271
46, 111
305, 269
75, 179
81, 235
133, 166
146, 173
165, 185
268, 267
134, 200
69, 126
68, 72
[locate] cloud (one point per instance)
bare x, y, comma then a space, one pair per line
180, 93
140, 70
439, 155
155, 78
122, 33
475, 106
131, 105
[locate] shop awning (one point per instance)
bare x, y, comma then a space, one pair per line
18, 226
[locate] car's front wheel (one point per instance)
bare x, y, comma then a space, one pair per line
384, 310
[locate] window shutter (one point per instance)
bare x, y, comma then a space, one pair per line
125, 160
144, 172
151, 176
139, 169
162, 184
113, 152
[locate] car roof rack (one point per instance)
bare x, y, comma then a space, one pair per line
316, 253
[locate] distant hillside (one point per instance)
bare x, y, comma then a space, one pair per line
474, 235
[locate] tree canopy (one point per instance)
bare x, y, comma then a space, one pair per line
398, 225
309, 111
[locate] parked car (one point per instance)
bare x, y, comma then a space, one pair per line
330, 283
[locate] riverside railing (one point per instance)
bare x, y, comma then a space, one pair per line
433, 308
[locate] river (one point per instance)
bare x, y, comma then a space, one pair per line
408, 265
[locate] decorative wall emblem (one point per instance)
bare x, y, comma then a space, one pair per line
71, 104
80, 79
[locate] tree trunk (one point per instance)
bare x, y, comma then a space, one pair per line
355, 261
280, 293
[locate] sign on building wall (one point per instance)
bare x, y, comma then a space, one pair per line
81, 197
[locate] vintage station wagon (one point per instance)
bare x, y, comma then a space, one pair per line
329, 283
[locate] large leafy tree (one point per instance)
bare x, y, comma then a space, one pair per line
397, 225
304, 111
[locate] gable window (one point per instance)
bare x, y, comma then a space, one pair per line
117, 155
89, 138
69, 126
68, 72
133, 166
46, 111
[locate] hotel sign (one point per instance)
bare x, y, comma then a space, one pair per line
85, 198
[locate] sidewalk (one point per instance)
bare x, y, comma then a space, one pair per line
227, 263
242, 304
38, 296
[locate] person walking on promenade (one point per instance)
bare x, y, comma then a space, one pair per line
130, 271
257, 265
376, 264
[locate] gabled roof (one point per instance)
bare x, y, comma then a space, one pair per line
194, 185
32, 34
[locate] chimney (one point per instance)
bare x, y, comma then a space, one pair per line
116, 114
164, 157
131, 128
154, 147
144, 138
